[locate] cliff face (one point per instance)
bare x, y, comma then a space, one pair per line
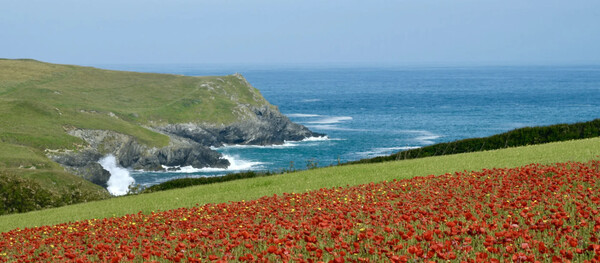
265, 127
130, 153
189, 144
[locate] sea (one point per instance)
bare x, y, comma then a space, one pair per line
368, 111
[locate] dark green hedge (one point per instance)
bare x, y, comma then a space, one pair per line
514, 138
185, 182
18, 195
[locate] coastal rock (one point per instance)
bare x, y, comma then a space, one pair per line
129, 153
266, 126
189, 144
94, 173
85, 165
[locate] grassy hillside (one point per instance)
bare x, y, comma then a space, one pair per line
39, 101
579, 150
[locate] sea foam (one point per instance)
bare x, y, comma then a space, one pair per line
423, 137
303, 115
331, 120
285, 144
235, 164
384, 151
120, 179
427, 138
329, 127
317, 139
311, 100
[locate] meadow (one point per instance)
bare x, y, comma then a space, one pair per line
536, 212
303, 181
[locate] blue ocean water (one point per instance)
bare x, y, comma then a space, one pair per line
371, 111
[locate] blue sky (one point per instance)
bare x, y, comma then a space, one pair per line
419, 32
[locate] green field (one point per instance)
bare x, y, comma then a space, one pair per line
40, 101
579, 150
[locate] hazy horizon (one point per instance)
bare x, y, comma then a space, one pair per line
324, 65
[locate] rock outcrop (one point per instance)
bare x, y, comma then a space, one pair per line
189, 144
267, 126
131, 154
85, 164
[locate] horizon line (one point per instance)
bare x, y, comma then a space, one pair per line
354, 64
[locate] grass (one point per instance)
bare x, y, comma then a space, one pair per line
30, 163
579, 150
39, 101
140, 98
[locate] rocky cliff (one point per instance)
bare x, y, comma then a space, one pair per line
189, 144
265, 126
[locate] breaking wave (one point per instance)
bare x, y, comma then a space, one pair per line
317, 139
235, 164
311, 100
120, 179
302, 115
329, 127
384, 151
423, 137
331, 120
427, 139
285, 144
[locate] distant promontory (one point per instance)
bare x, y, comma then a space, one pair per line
59, 120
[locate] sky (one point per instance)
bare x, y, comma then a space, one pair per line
374, 32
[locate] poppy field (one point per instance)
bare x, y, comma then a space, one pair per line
545, 213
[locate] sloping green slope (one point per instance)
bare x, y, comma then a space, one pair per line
579, 150
40, 101
59, 95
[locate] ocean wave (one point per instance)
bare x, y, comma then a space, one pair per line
303, 115
427, 139
318, 139
413, 131
235, 164
285, 144
334, 128
424, 137
311, 100
331, 120
380, 151
403, 148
